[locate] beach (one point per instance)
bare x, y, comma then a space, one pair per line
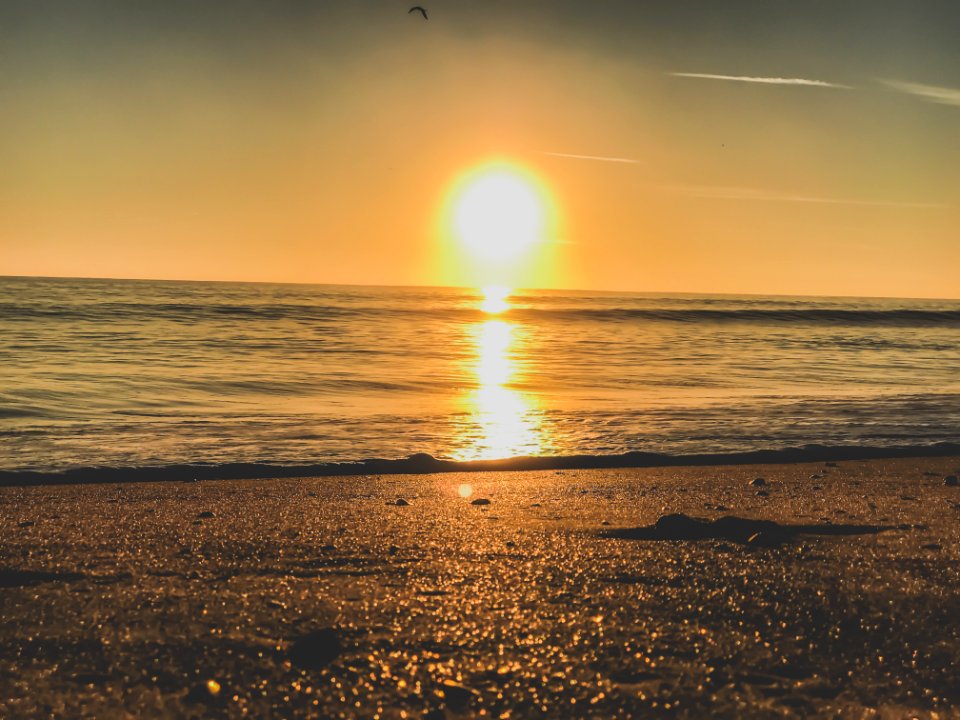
488, 594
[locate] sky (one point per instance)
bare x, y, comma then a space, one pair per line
779, 147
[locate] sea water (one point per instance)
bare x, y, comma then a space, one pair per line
143, 374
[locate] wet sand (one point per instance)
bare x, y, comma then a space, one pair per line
324, 597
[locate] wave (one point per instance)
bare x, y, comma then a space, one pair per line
814, 316
422, 463
300, 312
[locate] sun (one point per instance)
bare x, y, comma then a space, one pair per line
499, 213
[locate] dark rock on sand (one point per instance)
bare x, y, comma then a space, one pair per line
316, 649
951, 481
762, 493
456, 695
26, 524
758, 482
400, 502
205, 514
480, 501
736, 529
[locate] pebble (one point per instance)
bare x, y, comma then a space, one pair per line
951, 481
456, 695
480, 501
400, 502
757, 482
762, 493
205, 514
316, 649
26, 524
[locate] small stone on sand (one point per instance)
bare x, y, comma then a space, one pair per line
205, 514
480, 501
758, 482
316, 649
951, 481
456, 695
400, 502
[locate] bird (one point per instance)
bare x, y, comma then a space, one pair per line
419, 9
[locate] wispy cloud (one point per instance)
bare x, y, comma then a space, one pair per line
933, 93
739, 193
600, 158
804, 82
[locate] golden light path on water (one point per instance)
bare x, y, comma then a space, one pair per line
504, 421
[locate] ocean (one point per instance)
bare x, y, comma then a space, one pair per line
145, 374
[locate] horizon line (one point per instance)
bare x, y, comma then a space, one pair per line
613, 291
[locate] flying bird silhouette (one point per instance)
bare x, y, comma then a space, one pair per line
417, 8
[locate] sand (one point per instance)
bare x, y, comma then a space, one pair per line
324, 598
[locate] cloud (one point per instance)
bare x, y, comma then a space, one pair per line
933, 93
738, 193
804, 82
600, 158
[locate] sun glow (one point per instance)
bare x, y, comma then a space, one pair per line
498, 226
499, 215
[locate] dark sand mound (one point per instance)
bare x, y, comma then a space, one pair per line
678, 526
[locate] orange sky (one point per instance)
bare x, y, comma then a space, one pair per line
768, 153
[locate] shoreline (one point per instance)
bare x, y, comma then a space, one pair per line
423, 464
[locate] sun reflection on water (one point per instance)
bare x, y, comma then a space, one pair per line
503, 421
495, 299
